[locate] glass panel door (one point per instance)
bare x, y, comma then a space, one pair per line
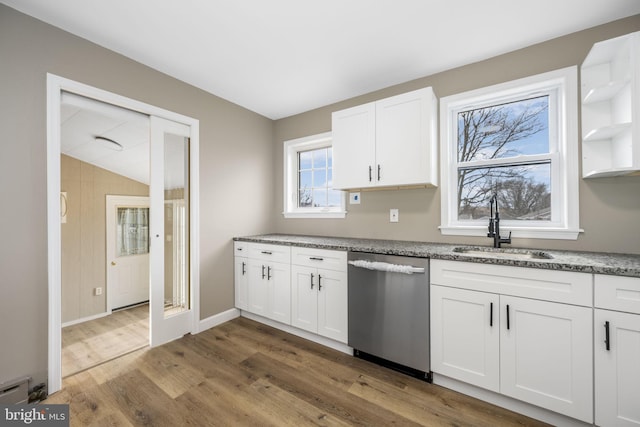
176, 224
171, 314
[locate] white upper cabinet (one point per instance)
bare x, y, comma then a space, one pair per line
387, 143
610, 77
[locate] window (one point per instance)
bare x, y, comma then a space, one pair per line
518, 141
308, 177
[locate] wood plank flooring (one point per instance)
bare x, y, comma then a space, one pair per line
245, 373
90, 343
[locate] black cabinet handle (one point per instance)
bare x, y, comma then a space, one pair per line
239, 249
369, 173
311, 280
263, 275
508, 325
243, 268
268, 273
315, 258
607, 341
267, 252
378, 172
319, 279
491, 315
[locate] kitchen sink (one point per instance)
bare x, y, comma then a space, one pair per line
507, 253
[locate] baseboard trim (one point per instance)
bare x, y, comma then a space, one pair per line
507, 402
86, 319
327, 342
217, 319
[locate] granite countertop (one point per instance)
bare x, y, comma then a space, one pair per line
584, 262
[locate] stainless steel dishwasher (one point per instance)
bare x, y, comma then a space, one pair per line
389, 311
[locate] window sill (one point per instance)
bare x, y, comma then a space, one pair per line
316, 215
516, 232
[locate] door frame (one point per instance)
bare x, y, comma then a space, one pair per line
55, 86
113, 201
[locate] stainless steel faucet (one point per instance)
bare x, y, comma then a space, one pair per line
494, 225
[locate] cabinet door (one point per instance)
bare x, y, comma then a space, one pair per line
304, 298
257, 290
332, 304
279, 292
406, 140
353, 134
617, 369
546, 355
465, 336
241, 281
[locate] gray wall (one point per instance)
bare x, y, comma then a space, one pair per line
609, 207
236, 174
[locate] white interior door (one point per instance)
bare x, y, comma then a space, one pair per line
171, 278
127, 250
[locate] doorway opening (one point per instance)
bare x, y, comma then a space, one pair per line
166, 134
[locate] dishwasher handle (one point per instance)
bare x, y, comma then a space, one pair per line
385, 266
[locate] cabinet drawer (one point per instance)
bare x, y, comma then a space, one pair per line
271, 253
548, 285
320, 258
617, 293
241, 249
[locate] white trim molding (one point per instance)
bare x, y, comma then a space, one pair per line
290, 192
562, 87
218, 319
55, 86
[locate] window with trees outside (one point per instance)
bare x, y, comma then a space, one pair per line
517, 141
308, 178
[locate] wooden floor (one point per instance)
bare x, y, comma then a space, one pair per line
246, 373
90, 343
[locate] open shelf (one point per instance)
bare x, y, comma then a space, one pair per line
605, 92
606, 132
610, 74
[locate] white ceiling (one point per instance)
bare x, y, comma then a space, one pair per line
283, 57
83, 119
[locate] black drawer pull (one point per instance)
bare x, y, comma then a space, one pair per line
607, 341
239, 249
508, 325
315, 258
491, 315
267, 252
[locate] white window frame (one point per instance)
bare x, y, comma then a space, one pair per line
562, 86
291, 150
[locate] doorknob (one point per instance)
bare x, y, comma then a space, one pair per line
113, 263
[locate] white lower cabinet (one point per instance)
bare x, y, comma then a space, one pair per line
241, 275
617, 351
545, 355
302, 287
269, 282
319, 292
465, 338
532, 350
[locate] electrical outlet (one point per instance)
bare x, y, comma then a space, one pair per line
97, 291
354, 198
394, 215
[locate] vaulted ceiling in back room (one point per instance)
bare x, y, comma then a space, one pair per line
283, 57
